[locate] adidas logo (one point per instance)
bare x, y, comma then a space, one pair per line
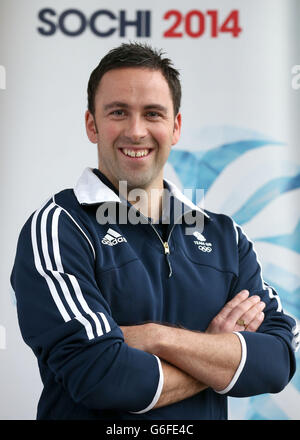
112, 238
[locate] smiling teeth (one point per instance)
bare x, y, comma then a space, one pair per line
135, 153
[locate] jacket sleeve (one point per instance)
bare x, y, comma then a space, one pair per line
68, 324
268, 361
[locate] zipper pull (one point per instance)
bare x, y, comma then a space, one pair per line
167, 253
167, 249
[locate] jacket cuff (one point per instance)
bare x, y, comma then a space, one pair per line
158, 390
240, 367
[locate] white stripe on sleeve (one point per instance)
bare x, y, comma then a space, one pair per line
57, 275
105, 321
40, 270
74, 282
81, 230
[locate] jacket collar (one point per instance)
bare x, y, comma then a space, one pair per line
89, 190
189, 205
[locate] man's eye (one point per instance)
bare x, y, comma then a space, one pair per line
153, 114
118, 113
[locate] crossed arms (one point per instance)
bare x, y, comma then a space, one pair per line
193, 361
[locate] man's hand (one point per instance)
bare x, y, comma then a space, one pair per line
241, 308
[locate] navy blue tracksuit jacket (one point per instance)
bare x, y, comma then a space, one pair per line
76, 281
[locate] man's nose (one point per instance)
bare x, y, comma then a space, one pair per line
135, 129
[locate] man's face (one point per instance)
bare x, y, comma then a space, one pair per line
134, 126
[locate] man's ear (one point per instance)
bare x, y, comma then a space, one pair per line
91, 128
177, 129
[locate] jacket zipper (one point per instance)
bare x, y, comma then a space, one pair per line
165, 243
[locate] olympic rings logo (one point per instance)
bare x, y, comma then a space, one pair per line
205, 248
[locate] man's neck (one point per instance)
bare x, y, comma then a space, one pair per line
147, 200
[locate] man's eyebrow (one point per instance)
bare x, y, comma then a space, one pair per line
156, 107
120, 104
115, 104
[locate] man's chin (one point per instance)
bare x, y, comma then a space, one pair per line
137, 182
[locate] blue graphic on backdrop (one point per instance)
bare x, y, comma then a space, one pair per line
200, 169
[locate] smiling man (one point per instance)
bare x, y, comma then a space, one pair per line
133, 320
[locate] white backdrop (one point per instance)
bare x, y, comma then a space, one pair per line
242, 92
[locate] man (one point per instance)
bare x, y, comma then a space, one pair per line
128, 317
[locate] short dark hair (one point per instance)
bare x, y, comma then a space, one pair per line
135, 55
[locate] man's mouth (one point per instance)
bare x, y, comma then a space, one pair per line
135, 152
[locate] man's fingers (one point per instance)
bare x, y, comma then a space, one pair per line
251, 314
240, 311
233, 303
242, 307
252, 318
255, 323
